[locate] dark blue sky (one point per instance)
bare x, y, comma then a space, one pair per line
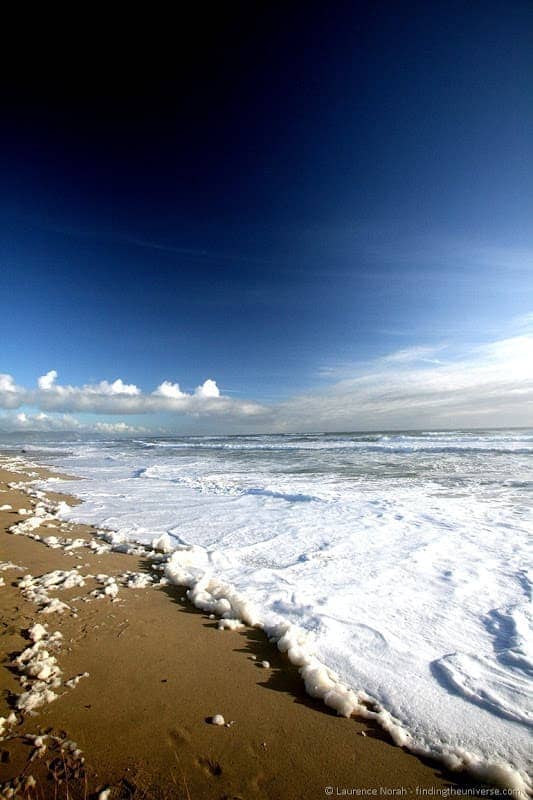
262, 195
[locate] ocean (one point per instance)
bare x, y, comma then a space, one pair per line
401, 561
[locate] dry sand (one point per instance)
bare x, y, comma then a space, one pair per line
158, 670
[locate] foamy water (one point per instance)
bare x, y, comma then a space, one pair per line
404, 558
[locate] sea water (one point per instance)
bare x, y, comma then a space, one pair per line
403, 557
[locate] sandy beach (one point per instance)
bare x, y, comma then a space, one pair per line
138, 675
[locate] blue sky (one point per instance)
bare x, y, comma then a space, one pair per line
321, 189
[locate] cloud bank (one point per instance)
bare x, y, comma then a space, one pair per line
119, 397
488, 386
50, 423
417, 387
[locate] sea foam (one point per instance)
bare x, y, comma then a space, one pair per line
391, 568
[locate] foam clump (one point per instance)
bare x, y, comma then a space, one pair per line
188, 565
37, 632
46, 514
6, 507
111, 587
137, 580
163, 544
73, 682
62, 508
63, 579
119, 543
229, 624
7, 722
217, 719
4, 565
36, 589
53, 542
500, 774
99, 548
54, 606
39, 672
26, 527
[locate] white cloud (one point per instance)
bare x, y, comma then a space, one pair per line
489, 385
39, 422
46, 382
47, 423
117, 387
119, 397
7, 384
412, 354
10, 393
79, 398
169, 389
207, 389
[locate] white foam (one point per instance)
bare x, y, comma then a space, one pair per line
111, 588
137, 580
39, 672
37, 632
395, 560
73, 682
4, 565
36, 590
163, 544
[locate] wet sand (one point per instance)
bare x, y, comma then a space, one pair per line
158, 671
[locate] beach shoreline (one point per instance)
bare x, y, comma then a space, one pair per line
158, 671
